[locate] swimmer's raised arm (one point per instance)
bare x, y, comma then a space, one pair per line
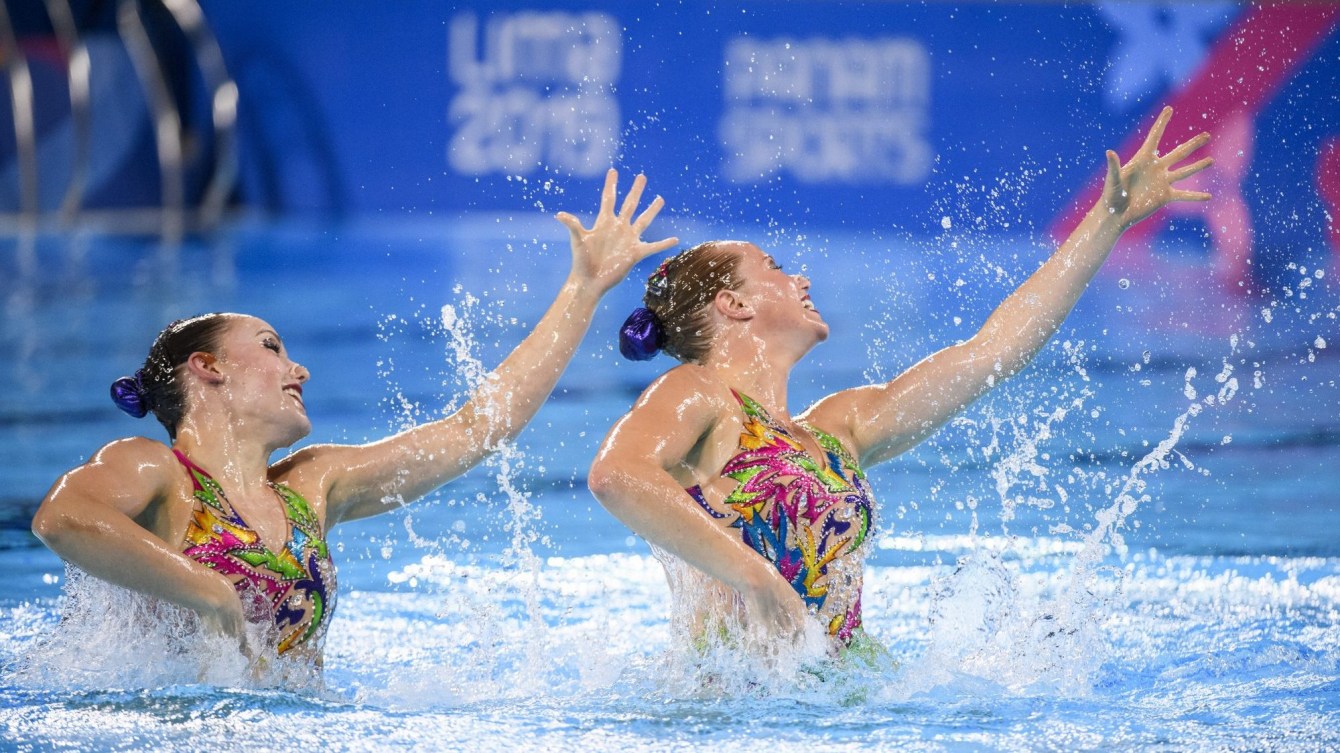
631, 478
886, 419
89, 519
368, 479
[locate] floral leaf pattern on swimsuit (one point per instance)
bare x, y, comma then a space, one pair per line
803, 516
295, 585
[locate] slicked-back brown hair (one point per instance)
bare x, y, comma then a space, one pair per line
679, 293
161, 373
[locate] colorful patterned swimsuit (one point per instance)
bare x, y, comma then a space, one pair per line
807, 516
296, 585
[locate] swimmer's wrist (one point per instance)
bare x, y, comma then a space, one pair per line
582, 289
1107, 219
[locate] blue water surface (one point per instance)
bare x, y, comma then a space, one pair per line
1130, 546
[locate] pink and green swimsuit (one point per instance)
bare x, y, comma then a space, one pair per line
807, 516
295, 585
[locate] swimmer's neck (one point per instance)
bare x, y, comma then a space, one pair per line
240, 465
762, 378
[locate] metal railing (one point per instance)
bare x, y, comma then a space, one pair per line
21, 104
172, 218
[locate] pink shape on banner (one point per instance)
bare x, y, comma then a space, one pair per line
1328, 188
1243, 72
1227, 217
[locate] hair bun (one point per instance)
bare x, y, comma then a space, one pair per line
130, 396
641, 335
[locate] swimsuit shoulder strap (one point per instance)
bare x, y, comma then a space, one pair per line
187, 464
296, 508
206, 489
834, 447
298, 511
751, 407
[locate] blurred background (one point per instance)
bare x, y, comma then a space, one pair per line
827, 113
346, 170
1129, 545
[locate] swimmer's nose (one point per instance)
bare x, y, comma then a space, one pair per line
803, 282
301, 373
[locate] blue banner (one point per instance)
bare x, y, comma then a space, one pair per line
887, 117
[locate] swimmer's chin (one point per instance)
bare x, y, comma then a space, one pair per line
821, 328
299, 432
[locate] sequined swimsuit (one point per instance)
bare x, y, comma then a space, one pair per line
295, 585
807, 516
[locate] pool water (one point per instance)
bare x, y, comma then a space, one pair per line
1132, 545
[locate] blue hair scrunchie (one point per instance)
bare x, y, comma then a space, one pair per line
641, 335
130, 395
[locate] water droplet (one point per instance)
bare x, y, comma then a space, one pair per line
1123, 283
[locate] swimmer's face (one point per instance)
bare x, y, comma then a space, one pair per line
780, 301
263, 384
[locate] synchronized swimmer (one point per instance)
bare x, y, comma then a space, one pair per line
773, 512
208, 523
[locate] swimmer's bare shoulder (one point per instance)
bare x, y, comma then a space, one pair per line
314, 470
133, 476
690, 384
670, 420
833, 414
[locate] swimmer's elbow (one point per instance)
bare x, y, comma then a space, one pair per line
50, 526
600, 478
609, 482
58, 520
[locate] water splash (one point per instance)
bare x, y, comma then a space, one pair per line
111, 637
984, 623
501, 643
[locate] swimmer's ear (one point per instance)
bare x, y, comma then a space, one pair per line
729, 304
204, 366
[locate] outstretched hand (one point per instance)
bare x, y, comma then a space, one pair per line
602, 255
1144, 185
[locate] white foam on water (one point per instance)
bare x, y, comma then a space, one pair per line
111, 637
988, 625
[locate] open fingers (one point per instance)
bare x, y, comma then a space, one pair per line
573, 224
1151, 144
1184, 149
649, 214
1189, 170
1113, 179
634, 196
1179, 195
659, 246
643, 250
608, 193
